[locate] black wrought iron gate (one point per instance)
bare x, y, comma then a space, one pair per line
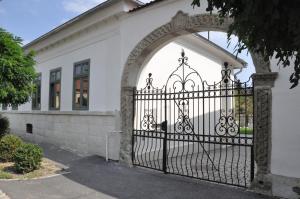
194, 129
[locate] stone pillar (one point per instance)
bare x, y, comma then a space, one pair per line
263, 83
126, 125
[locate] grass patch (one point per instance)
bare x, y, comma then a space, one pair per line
5, 175
48, 167
246, 130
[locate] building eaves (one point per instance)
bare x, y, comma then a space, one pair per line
244, 63
142, 6
101, 6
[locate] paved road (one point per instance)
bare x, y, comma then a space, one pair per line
93, 178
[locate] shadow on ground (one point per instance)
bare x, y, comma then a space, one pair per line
93, 177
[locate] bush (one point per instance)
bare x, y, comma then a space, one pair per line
4, 126
27, 158
8, 146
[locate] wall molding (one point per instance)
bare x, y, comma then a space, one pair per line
71, 113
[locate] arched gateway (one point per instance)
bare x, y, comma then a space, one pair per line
263, 79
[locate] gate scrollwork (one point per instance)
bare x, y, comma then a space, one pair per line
192, 128
148, 122
227, 125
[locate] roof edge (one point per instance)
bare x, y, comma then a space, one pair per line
145, 5
73, 20
243, 62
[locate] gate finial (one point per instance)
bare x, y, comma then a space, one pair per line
182, 53
226, 65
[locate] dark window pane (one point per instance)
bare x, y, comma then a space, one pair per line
4, 107
57, 75
85, 87
39, 96
77, 93
81, 85
52, 77
14, 107
52, 105
86, 69
55, 89
36, 95
78, 70
34, 105
57, 95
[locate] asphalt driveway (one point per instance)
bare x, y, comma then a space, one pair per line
94, 178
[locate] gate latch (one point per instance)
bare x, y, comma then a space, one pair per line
164, 125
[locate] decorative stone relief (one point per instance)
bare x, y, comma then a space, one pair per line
127, 124
180, 21
263, 82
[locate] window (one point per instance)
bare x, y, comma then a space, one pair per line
81, 85
29, 128
14, 107
36, 96
55, 89
4, 107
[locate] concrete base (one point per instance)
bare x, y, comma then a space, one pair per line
276, 185
286, 187
81, 132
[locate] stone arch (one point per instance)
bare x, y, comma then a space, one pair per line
182, 24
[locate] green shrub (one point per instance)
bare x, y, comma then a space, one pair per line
5, 175
27, 158
4, 126
8, 146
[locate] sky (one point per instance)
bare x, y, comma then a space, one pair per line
30, 19
220, 38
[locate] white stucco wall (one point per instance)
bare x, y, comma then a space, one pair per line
159, 14
165, 61
107, 46
103, 50
285, 121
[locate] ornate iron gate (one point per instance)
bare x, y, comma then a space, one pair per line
194, 129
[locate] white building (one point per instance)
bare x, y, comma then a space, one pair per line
77, 103
90, 64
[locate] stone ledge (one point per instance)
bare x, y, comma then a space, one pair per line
264, 79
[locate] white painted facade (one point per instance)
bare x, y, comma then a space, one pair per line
285, 159
107, 36
105, 43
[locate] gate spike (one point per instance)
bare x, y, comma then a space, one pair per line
182, 53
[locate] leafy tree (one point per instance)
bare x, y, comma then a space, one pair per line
268, 27
16, 70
